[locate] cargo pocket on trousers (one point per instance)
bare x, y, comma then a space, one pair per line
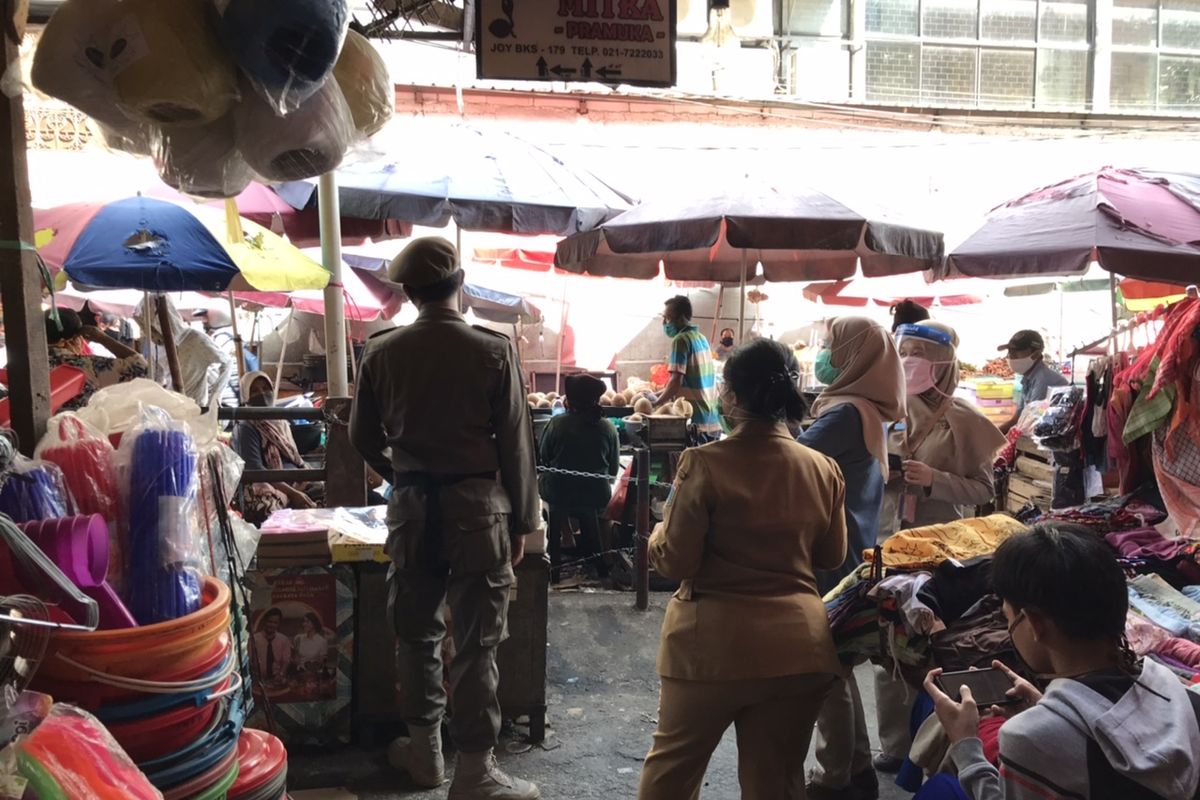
477, 544
493, 629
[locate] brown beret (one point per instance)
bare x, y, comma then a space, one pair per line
424, 262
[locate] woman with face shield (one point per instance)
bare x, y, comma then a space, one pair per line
267, 444
947, 455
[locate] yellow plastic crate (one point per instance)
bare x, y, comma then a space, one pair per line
994, 390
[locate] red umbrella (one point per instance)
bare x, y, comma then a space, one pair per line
1134, 222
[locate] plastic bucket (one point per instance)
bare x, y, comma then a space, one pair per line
263, 760
207, 780
144, 651
92, 694
159, 735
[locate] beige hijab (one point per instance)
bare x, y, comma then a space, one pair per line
974, 440
871, 379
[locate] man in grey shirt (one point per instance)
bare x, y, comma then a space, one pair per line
1026, 358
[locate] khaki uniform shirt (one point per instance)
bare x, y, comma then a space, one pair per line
442, 397
749, 520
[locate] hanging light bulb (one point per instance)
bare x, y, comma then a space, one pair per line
720, 31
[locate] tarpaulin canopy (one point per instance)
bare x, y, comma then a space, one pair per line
889, 291
153, 245
485, 303
483, 182
796, 234
1134, 222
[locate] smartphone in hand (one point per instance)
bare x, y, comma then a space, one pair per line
989, 687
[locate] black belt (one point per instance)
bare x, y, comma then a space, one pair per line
431, 485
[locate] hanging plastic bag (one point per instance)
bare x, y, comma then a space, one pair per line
203, 161
285, 50
308, 142
35, 490
220, 472
157, 461
363, 77
114, 410
87, 461
72, 755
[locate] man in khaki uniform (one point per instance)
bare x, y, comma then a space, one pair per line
440, 406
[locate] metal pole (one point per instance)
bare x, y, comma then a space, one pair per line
168, 339
1112, 303
147, 338
335, 313
239, 351
287, 332
717, 313
742, 304
641, 467
562, 329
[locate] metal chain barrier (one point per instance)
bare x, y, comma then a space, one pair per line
607, 478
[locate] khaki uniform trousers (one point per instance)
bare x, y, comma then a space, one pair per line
893, 707
773, 718
477, 593
843, 744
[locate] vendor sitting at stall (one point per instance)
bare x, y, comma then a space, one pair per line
1026, 358
725, 345
584, 441
267, 444
1108, 725
67, 338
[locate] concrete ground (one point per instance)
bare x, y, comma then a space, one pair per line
603, 696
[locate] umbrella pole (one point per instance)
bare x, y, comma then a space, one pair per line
562, 329
287, 333
239, 352
1112, 304
742, 304
717, 315
335, 309
164, 327
147, 339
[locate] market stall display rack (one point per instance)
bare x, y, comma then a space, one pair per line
1032, 480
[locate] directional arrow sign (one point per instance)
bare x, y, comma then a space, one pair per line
631, 41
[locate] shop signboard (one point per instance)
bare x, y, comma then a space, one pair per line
591, 41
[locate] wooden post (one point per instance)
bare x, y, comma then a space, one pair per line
345, 471
20, 279
168, 339
641, 466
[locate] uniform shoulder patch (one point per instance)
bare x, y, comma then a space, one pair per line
384, 333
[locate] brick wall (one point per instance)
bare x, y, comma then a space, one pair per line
1006, 79
1133, 79
1062, 79
1064, 21
1009, 20
1181, 24
892, 16
1135, 22
1179, 82
948, 76
949, 19
893, 72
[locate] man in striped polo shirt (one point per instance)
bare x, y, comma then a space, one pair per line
691, 368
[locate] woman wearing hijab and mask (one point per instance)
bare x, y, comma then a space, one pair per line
864, 394
948, 452
745, 640
267, 444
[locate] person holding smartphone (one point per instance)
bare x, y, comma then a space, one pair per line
1107, 726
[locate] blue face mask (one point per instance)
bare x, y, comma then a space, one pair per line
826, 372
671, 329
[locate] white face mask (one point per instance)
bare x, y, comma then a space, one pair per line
1020, 366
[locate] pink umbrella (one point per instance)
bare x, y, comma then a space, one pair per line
1134, 222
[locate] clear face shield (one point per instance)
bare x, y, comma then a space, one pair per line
926, 352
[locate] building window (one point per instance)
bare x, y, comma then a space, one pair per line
1134, 82
1180, 24
1063, 21
1135, 22
1062, 79
893, 72
1178, 83
1008, 20
892, 17
1006, 78
950, 19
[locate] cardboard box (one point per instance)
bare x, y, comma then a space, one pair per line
302, 652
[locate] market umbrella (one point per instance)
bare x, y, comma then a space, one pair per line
485, 303
797, 235
890, 290
260, 204
362, 304
156, 246
1134, 222
485, 182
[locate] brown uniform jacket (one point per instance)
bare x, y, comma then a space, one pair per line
442, 397
749, 520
